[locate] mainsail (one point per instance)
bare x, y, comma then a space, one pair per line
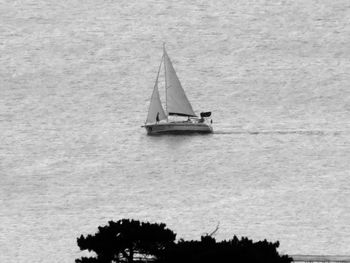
176, 100
156, 111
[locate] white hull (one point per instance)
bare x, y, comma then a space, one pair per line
178, 128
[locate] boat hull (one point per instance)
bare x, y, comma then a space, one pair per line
177, 128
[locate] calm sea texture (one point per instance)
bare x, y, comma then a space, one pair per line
75, 81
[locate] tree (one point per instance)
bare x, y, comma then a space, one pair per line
234, 250
125, 240
134, 241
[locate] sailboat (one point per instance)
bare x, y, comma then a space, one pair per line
177, 105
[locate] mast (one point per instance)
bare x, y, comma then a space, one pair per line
166, 99
166, 86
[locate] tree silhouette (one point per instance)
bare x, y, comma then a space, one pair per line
134, 241
234, 250
125, 240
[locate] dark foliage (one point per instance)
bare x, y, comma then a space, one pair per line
134, 241
125, 240
234, 250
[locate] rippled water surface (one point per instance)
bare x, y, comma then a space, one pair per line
75, 80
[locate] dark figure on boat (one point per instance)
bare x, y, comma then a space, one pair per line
205, 114
157, 118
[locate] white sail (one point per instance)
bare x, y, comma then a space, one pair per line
156, 112
155, 107
176, 100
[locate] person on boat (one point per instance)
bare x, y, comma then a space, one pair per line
157, 117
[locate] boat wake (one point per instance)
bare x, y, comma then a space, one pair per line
282, 132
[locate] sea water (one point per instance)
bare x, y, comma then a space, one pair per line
75, 82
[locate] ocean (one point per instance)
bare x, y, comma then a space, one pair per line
75, 82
